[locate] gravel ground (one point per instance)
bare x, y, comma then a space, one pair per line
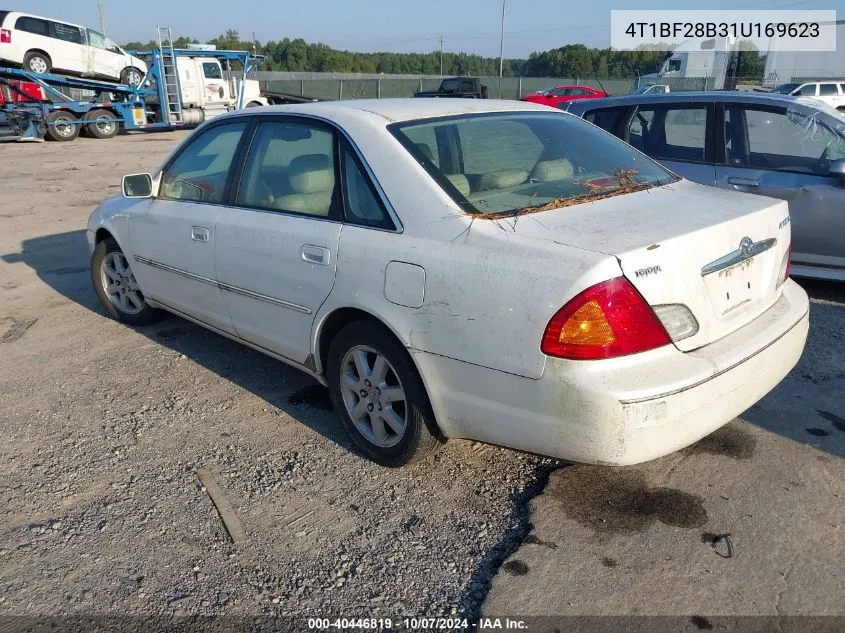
105, 428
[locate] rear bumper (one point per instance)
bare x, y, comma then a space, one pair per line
622, 411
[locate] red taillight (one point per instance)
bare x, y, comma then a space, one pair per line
607, 320
5, 36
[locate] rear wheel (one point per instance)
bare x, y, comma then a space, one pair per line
379, 396
254, 104
62, 126
101, 124
116, 286
37, 62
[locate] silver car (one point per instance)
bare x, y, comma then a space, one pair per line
786, 147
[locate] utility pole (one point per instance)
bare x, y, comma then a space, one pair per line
502, 49
441, 54
102, 17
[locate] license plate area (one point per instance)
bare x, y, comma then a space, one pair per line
732, 288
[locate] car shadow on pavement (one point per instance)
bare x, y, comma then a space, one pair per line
808, 406
62, 262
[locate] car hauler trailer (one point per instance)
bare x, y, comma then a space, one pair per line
183, 88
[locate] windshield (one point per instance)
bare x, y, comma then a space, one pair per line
785, 89
518, 162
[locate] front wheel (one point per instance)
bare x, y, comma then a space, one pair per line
379, 396
116, 286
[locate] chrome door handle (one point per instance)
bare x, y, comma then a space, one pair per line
316, 254
199, 233
743, 182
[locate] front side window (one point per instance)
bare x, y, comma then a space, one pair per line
33, 25
291, 168
671, 132
450, 85
674, 65
808, 91
97, 40
780, 140
211, 71
68, 33
200, 171
510, 163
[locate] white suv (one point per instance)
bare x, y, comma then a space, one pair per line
830, 92
42, 45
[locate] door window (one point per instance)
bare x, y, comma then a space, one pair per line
363, 205
780, 140
211, 71
677, 133
200, 172
608, 119
33, 25
808, 90
97, 40
290, 167
827, 90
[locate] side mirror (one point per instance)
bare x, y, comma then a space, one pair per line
138, 186
837, 168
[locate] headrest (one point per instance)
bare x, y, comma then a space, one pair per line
425, 148
548, 170
503, 179
460, 183
311, 173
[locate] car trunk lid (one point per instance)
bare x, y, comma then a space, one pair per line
716, 252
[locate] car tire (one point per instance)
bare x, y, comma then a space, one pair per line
388, 417
131, 76
101, 124
62, 126
36, 62
254, 104
116, 287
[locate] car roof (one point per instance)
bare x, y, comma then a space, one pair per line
41, 17
398, 110
735, 96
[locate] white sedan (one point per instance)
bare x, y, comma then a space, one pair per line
451, 268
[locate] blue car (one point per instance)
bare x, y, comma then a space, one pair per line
786, 147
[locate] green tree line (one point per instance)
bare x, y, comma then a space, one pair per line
572, 60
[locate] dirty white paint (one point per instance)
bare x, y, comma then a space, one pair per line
471, 299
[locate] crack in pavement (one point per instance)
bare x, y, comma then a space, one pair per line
785, 586
478, 587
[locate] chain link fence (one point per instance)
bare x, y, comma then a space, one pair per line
506, 88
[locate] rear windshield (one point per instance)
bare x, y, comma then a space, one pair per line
521, 162
3, 15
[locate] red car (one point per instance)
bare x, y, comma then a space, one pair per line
563, 94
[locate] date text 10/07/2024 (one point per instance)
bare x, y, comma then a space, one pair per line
418, 624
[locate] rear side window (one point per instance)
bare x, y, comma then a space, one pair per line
671, 132
828, 90
608, 119
33, 25
68, 33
